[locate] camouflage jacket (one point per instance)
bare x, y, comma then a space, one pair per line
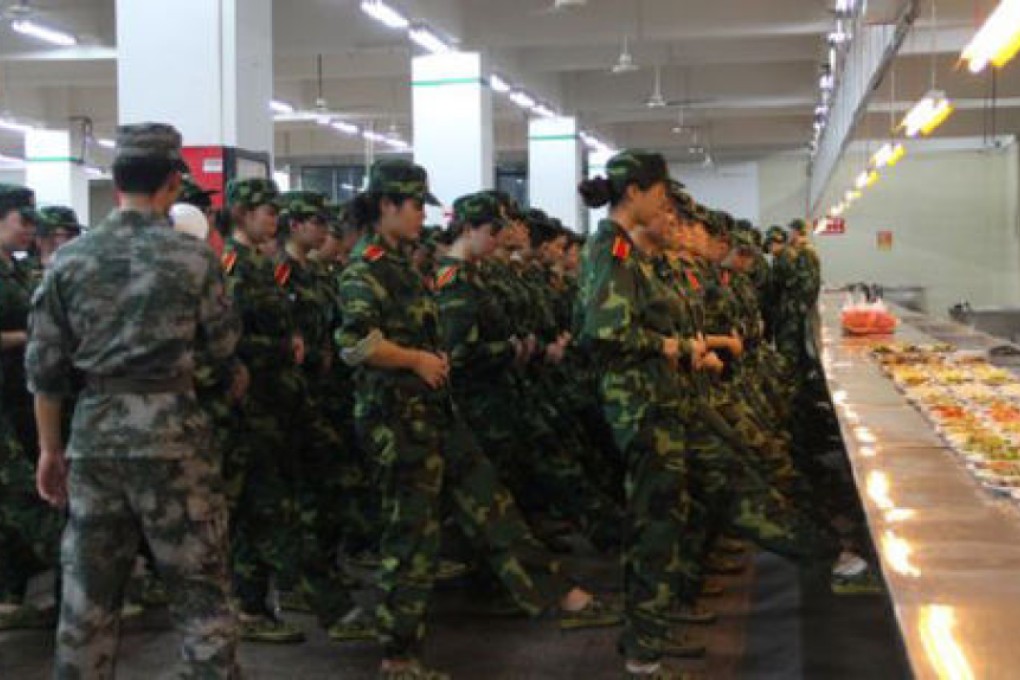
16, 285
798, 281
475, 330
500, 278
264, 309
132, 299
381, 292
626, 311
313, 303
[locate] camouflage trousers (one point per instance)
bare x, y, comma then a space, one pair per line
534, 463
177, 506
29, 527
657, 563
425, 456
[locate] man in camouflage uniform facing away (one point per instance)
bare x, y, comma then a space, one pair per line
125, 309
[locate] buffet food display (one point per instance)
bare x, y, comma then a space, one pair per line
974, 406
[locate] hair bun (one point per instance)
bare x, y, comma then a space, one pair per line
596, 192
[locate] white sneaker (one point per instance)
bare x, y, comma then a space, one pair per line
849, 565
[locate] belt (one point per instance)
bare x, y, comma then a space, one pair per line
112, 385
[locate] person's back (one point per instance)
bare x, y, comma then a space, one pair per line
121, 312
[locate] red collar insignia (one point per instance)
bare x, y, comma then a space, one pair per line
282, 274
373, 253
446, 276
621, 248
692, 279
228, 261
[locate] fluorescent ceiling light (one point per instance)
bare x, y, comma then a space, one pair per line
522, 99
11, 159
498, 84
276, 106
544, 111
106, 143
998, 41
384, 14
398, 144
44, 33
927, 114
343, 127
95, 172
425, 38
15, 127
373, 136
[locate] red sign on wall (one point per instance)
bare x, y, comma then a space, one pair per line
830, 226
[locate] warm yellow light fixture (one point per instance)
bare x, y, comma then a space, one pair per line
888, 156
929, 113
998, 41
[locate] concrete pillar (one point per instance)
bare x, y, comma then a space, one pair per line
453, 135
555, 168
204, 66
55, 170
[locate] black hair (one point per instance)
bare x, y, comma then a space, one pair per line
142, 175
364, 209
541, 232
599, 191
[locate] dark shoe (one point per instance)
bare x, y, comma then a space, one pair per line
712, 589
731, 546
597, 614
449, 570
293, 601
691, 613
27, 617
266, 628
724, 566
356, 625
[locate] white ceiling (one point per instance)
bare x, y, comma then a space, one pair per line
748, 69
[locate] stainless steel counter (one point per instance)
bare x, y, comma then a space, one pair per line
949, 550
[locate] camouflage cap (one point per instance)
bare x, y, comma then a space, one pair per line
400, 177
157, 141
775, 234
20, 198
682, 201
193, 194
483, 207
336, 216
798, 225
303, 205
54, 217
636, 165
511, 209
743, 240
252, 192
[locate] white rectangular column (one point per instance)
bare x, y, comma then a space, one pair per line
554, 169
55, 171
453, 136
204, 66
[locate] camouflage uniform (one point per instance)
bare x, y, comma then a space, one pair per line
624, 313
29, 528
319, 480
420, 445
139, 442
477, 337
261, 462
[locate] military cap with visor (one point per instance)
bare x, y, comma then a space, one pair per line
152, 141
483, 207
193, 194
20, 198
253, 192
400, 178
303, 205
636, 165
775, 234
53, 218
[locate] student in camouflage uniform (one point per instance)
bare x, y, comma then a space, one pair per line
261, 462
775, 242
626, 322
125, 308
320, 480
483, 353
29, 529
57, 225
408, 423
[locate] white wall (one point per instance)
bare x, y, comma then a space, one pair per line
782, 189
954, 219
733, 187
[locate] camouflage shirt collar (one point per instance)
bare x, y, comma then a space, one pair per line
138, 218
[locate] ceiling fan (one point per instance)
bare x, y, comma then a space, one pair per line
560, 6
625, 62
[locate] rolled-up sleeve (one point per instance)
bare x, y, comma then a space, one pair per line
48, 361
360, 330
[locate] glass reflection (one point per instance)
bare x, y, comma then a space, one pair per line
936, 623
